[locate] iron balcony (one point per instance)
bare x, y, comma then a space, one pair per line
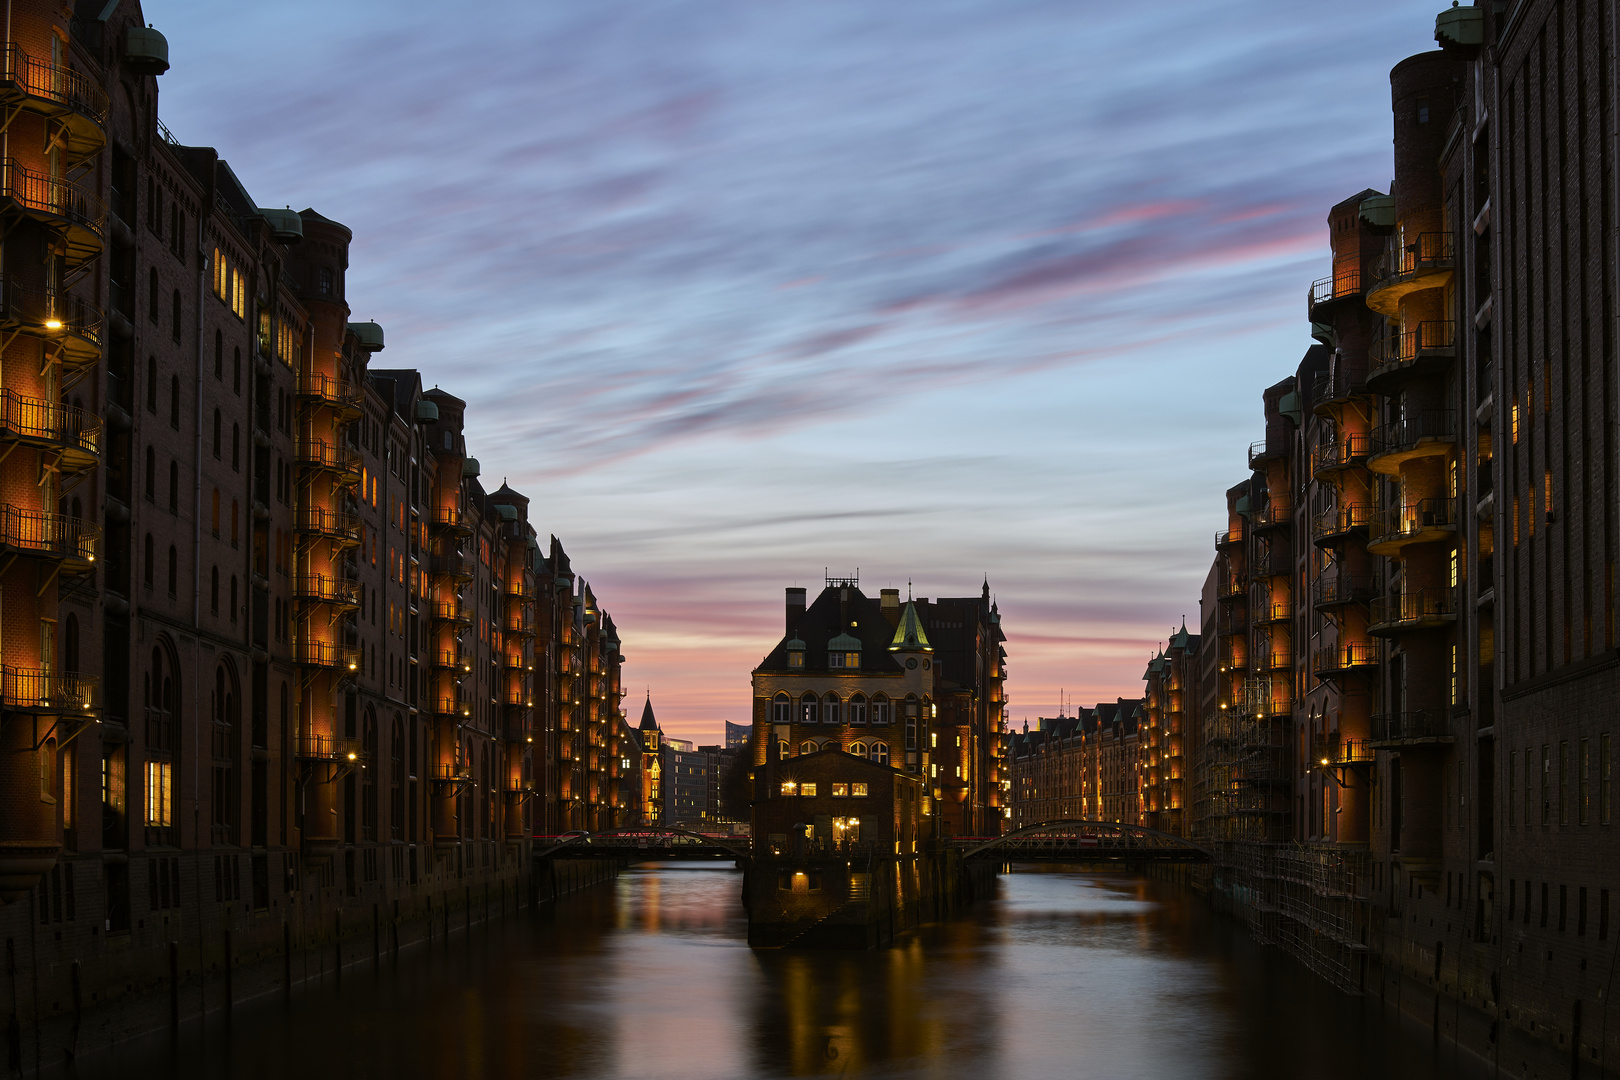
1422, 522
1415, 609
1424, 262
71, 432
1413, 728
1424, 350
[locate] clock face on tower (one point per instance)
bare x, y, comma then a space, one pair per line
911, 662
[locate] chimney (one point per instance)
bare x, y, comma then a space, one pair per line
889, 604
795, 608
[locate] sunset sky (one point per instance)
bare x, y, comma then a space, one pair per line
935, 289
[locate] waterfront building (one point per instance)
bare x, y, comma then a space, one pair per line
1426, 545
686, 783
1170, 719
868, 678
276, 663
1093, 767
650, 747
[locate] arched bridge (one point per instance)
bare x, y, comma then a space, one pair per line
645, 842
1076, 840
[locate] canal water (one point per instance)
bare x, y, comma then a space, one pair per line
1062, 974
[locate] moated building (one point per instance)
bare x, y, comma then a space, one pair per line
867, 678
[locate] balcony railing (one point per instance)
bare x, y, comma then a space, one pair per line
336, 524
1415, 607
1274, 613
1420, 725
1266, 449
1340, 521
319, 454
1271, 564
311, 747
329, 390
1405, 434
54, 536
1342, 285
1231, 588
518, 622
323, 588
518, 590
453, 659
1422, 520
59, 200
1346, 657
1426, 252
449, 611
38, 690
1229, 537
1431, 339
1350, 449
1337, 386
58, 84
1273, 515
448, 517
329, 654
60, 316
1344, 587
452, 706
1332, 751
453, 564
38, 420
451, 772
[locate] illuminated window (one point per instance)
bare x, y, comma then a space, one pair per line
808, 789
840, 791
858, 790
858, 749
880, 753
157, 793
807, 747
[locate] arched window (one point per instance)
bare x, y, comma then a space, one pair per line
807, 709
151, 473
217, 426
236, 370
174, 571
326, 281
159, 699
235, 515
880, 709
174, 487
858, 749
174, 402
911, 721
807, 747
152, 294
233, 598
781, 709
782, 748
213, 590
146, 561
219, 355
829, 709
216, 512
236, 447
880, 753
175, 329
151, 385
857, 708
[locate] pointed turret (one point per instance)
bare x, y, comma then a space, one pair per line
909, 635
649, 722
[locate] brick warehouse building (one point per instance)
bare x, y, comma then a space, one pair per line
1407, 755
918, 687
278, 670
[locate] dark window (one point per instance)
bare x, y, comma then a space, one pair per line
219, 355
217, 426
174, 402
237, 369
175, 329
326, 281
152, 295
236, 447
213, 590
151, 473
151, 384
233, 598
146, 562
174, 487
174, 570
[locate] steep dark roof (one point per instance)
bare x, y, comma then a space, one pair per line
649, 722
838, 610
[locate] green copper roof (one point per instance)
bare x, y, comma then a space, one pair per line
909, 634
844, 643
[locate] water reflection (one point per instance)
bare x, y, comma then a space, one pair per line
1063, 974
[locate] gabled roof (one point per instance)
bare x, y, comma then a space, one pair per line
840, 611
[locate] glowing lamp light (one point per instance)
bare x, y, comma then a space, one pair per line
352, 755
1324, 761
53, 324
